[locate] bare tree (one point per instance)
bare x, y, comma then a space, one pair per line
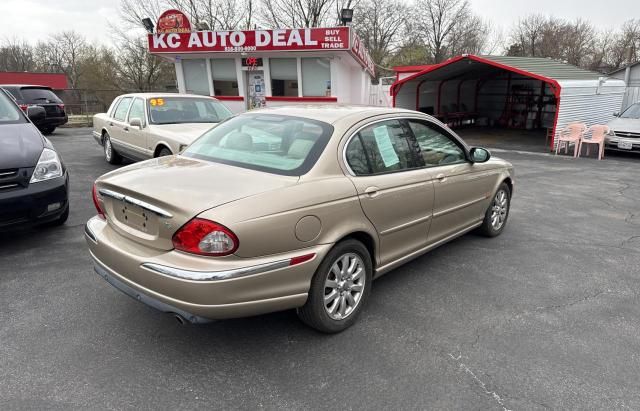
63, 52
379, 24
527, 34
438, 20
16, 55
297, 13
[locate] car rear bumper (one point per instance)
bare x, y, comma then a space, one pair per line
125, 265
52, 122
36, 204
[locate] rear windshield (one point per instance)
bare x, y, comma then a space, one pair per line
176, 110
277, 144
632, 112
38, 95
9, 112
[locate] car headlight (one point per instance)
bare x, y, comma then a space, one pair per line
48, 166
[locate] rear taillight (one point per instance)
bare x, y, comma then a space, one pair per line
205, 237
97, 202
23, 107
61, 106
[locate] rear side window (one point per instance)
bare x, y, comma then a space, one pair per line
121, 111
382, 147
14, 92
9, 112
38, 95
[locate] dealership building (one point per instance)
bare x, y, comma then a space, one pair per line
258, 68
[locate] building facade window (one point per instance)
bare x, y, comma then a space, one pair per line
225, 77
316, 76
284, 77
195, 76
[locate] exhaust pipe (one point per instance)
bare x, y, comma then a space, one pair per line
180, 319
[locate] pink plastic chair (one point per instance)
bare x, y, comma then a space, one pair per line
572, 134
595, 135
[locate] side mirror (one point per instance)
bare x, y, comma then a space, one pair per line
479, 155
136, 122
616, 114
36, 113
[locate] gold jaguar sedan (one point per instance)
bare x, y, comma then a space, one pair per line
291, 207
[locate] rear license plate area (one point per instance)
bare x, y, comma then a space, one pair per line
136, 217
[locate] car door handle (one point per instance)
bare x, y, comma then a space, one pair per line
371, 191
110, 124
441, 177
126, 128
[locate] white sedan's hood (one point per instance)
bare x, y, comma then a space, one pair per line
184, 133
625, 124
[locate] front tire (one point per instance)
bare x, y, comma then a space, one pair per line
110, 154
495, 218
339, 288
164, 152
48, 130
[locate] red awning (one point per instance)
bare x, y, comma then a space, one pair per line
56, 81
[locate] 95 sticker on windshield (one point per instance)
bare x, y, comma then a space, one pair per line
156, 102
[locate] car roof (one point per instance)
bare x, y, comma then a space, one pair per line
162, 95
331, 113
25, 85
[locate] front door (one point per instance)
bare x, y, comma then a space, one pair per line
461, 188
255, 89
395, 192
133, 136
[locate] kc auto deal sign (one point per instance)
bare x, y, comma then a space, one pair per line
174, 35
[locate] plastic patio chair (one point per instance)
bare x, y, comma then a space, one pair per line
595, 135
571, 134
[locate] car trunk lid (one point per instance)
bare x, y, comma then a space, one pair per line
149, 201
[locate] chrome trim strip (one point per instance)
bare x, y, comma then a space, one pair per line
389, 266
214, 275
90, 233
405, 225
458, 207
8, 173
131, 200
8, 186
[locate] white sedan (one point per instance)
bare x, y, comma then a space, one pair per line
140, 126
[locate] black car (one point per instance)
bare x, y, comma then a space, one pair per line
25, 96
34, 183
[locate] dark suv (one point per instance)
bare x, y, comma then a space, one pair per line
44, 97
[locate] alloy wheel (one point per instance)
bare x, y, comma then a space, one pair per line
499, 209
344, 286
107, 149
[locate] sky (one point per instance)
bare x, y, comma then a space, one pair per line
36, 19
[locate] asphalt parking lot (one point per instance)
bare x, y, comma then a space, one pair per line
545, 316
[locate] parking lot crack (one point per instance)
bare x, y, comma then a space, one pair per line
571, 303
492, 394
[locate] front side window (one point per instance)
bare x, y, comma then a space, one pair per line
632, 112
195, 76
121, 111
382, 147
276, 144
9, 112
225, 78
316, 77
137, 110
177, 110
284, 77
436, 147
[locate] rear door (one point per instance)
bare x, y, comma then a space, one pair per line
461, 188
395, 192
116, 125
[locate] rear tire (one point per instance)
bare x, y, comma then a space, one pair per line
48, 130
110, 154
495, 218
339, 288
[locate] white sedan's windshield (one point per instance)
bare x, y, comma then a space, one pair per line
177, 110
632, 112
